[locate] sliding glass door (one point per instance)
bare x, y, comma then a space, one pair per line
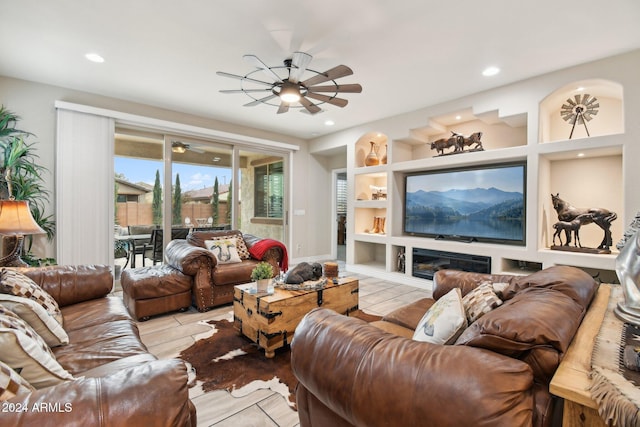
139, 174
167, 185
201, 178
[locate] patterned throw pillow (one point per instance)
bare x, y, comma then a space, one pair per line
225, 250
499, 288
480, 301
444, 321
37, 317
25, 352
14, 283
11, 383
241, 246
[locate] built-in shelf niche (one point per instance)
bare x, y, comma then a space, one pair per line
586, 179
369, 187
519, 266
370, 254
497, 132
399, 260
609, 119
363, 147
365, 220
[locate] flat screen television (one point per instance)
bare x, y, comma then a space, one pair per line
480, 203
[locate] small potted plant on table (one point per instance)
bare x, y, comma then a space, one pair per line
262, 274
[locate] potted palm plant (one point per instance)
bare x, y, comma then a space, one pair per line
262, 274
21, 179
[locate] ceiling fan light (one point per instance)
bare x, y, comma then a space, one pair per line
290, 93
180, 149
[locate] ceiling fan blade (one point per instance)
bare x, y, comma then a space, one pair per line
284, 107
194, 149
299, 63
331, 100
249, 79
332, 74
311, 107
260, 101
244, 90
349, 88
256, 62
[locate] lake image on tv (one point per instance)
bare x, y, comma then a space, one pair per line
489, 213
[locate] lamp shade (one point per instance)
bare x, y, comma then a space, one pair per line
16, 219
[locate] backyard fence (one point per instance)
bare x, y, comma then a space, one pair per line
133, 213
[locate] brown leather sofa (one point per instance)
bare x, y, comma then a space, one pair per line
496, 374
117, 381
213, 282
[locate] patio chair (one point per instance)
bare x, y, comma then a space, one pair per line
153, 250
136, 246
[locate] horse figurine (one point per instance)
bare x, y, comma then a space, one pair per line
599, 216
569, 228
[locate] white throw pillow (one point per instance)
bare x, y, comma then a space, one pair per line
37, 317
25, 352
241, 245
444, 321
225, 250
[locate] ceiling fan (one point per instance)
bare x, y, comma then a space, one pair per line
285, 88
181, 147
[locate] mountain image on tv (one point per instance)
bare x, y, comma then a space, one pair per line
477, 212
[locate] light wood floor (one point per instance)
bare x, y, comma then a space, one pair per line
167, 335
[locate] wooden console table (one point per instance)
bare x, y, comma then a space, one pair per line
571, 380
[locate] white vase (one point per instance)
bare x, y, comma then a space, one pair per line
262, 285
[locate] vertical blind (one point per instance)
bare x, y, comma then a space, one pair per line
84, 174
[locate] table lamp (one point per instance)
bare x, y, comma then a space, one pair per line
16, 221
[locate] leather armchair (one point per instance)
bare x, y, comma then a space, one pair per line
212, 282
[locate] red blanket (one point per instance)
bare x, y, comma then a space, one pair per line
259, 248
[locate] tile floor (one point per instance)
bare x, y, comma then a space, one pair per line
167, 335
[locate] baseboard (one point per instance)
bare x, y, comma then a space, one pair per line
395, 277
316, 258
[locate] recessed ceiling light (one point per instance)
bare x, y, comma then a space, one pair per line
581, 154
580, 89
94, 57
458, 117
329, 123
490, 71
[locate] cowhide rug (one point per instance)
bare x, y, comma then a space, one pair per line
228, 361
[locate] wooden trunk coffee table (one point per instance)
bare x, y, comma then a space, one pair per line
270, 320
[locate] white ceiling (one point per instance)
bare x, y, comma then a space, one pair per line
406, 54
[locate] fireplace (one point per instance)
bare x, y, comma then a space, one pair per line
426, 262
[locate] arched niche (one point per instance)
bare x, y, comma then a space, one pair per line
363, 146
609, 119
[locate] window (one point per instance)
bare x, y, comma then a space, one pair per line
341, 196
269, 190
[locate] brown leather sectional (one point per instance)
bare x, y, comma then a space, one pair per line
212, 282
117, 381
497, 373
